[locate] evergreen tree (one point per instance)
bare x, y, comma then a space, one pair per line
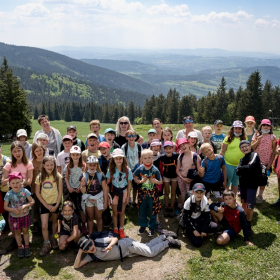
159, 109
36, 114
172, 106
43, 110
106, 116
50, 112
67, 116
131, 111
56, 111
14, 113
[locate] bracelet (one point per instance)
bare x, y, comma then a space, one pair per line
66, 241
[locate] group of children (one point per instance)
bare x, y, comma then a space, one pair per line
97, 176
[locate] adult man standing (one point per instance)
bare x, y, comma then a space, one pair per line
53, 134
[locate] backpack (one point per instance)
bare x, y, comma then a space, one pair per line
206, 160
262, 178
126, 148
4, 160
194, 158
99, 177
79, 143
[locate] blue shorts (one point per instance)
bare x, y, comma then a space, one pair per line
228, 228
232, 178
248, 196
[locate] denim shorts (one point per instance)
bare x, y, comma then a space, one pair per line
248, 196
232, 178
228, 228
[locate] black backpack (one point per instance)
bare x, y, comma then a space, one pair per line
139, 150
262, 178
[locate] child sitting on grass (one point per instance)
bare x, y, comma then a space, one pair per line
231, 217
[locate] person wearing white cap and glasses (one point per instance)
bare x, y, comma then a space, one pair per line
264, 144
22, 137
44, 139
232, 154
183, 133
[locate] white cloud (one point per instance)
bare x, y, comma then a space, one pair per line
275, 23
164, 9
262, 23
31, 10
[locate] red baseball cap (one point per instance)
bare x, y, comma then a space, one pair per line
15, 175
104, 145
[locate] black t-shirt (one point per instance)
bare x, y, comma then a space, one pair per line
67, 225
75, 143
170, 169
95, 187
122, 140
146, 145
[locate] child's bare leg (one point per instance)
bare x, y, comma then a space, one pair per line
44, 222
122, 216
134, 195
235, 189
90, 215
25, 236
166, 193
173, 193
115, 216
78, 237
83, 217
223, 239
62, 239
54, 223
261, 190
216, 216
98, 218
18, 237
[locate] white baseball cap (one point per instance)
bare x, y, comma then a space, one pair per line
21, 132
75, 150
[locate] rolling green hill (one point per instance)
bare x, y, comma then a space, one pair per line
49, 62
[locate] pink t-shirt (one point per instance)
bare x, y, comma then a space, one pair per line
23, 169
264, 148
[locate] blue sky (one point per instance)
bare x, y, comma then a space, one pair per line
156, 24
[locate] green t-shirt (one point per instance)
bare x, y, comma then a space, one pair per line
233, 153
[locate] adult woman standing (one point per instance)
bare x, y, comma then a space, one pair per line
123, 125
157, 125
232, 154
183, 133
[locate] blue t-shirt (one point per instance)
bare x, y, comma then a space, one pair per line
141, 172
218, 140
146, 145
17, 199
101, 138
119, 181
213, 171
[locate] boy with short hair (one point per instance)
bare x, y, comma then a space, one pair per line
196, 215
110, 135
206, 134
92, 150
218, 137
72, 131
152, 134
232, 217
132, 151
210, 172
148, 176
169, 161
22, 137
63, 158
94, 126
44, 139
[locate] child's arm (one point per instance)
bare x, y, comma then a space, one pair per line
38, 194
58, 226
74, 234
10, 209
27, 205
105, 194
140, 140
223, 149
138, 181
59, 169
53, 209
78, 262
29, 178
70, 190
272, 155
113, 241
255, 143
83, 186
128, 191
277, 150
5, 178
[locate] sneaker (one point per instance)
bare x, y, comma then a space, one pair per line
259, 199
141, 230
171, 212
158, 227
54, 243
46, 248
12, 246
277, 203
116, 231
84, 230
27, 253
151, 232
173, 243
121, 234
169, 233
166, 212
178, 211
20, 252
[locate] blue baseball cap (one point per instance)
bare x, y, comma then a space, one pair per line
152, 131
110, 130
198, 187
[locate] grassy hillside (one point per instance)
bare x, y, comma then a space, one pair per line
48, 62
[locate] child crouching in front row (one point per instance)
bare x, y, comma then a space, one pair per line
18, 201
148, 176
232, 217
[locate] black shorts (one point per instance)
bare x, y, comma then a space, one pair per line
64, 232
44, 210
217, 187
135, 186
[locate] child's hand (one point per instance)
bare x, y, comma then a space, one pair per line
260, 138
201, 171
20, 208
70, 190
16, 211
108, 248
153, 180
203, 234
144, 179
221, 209
83, 189
249, 243
225, 185
187, 180
196, 233
53, 209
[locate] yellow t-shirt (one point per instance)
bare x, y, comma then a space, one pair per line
87, 153
49, 190
233, 153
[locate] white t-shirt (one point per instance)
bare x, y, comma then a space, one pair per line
62, 160
181, 134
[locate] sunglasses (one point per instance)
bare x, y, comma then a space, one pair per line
244, 147
120, 176
265, 124
123, 123
131, 135
68, 203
